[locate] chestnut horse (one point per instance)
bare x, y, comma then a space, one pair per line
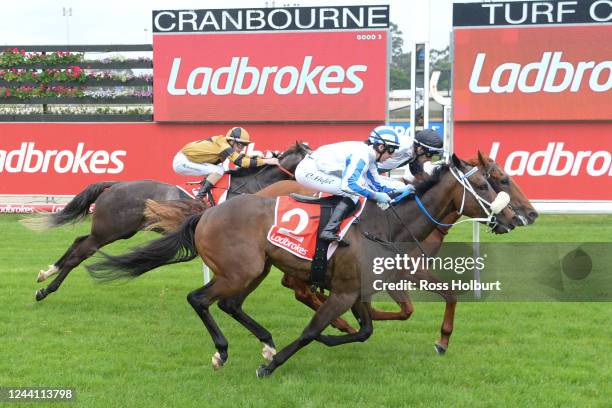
245, 220
499, 181
119, 210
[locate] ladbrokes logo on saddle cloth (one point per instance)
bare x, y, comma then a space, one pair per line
296, 225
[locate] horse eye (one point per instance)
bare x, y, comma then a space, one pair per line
483, 187
505, 181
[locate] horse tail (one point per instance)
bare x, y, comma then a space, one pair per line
74, 211
167, 216
176, 247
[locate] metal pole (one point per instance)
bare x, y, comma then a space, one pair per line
413, 92
448, 136
426, 88
476, 254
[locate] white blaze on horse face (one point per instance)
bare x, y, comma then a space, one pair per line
500, 202
42, 275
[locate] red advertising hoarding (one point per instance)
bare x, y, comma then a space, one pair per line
533, 73
561, 161
58, 158
532, 87
284, 76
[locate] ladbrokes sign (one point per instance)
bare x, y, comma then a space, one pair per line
533, 89
517, 72
63, 158
550, 161
306, 74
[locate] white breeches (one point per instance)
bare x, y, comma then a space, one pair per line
308, 175
184, 166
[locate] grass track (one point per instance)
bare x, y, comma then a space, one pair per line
141, 344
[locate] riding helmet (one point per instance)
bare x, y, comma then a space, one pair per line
238, 134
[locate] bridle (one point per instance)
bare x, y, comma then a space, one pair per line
491, 209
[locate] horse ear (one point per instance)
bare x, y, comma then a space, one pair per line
457, 161
481, 159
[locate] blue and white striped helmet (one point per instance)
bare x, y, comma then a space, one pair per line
385, 135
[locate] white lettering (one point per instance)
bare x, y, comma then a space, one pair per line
510, 76
241, 79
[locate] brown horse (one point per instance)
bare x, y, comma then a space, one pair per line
171, 216
500, 181
245, 220
119, 210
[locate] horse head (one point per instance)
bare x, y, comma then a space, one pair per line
500, 181
291, 157
473, 196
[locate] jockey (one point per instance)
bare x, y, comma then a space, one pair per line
348, 169
416, 153
203, 157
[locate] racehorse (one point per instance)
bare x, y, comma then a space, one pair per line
240, 267
499, 181
119, 210
171, 215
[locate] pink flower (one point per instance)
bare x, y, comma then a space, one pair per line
7, 93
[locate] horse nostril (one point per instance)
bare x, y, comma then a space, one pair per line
533, 214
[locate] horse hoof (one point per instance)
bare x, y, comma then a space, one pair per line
41, 294
268, 352
217, 361
262, 371
440, 349
41, 276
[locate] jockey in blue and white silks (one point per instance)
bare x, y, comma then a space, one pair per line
349, 169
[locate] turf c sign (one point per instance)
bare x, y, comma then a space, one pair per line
533, 89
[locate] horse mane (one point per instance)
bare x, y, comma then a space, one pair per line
422, 187
244, 172
297, 147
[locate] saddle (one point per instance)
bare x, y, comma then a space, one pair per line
298, 222
318, 267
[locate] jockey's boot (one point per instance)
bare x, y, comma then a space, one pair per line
208, 184
204, 189
342, 209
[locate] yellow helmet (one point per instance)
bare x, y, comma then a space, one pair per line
238, 134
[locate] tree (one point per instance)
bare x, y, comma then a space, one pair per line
439, 60
400, 61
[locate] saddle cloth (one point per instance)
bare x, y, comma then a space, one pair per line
296, 224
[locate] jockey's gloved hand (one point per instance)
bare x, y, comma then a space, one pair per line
406, 189
383, 198
271, 161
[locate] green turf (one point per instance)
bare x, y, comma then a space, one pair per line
141, 344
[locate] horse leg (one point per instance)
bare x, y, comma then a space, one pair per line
313, 300
201, 299
362, 314
233, 307
334, 306
53, 269
449, 312
402, 299
82, 248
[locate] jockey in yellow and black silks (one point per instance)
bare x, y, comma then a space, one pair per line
204, 157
